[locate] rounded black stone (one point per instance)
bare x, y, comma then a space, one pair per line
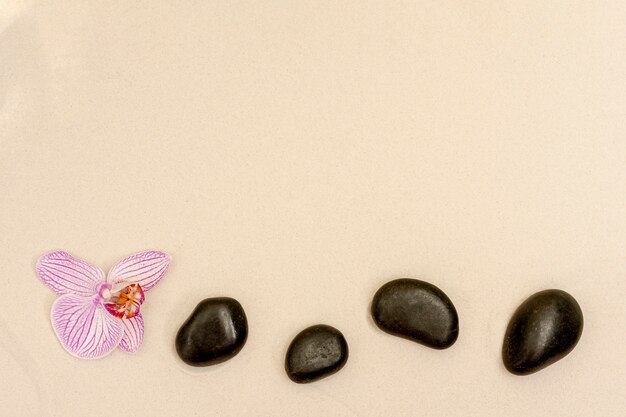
543, 330
315, 353
215, 331
418, 311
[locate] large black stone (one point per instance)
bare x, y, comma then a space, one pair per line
215, 332
418, 311
315, 353
543, 330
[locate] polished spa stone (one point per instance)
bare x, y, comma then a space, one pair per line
543, 330
418, 311
215, 332
315, 353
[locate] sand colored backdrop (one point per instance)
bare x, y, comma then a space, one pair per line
296, 155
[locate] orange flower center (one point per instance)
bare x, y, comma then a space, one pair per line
126, 303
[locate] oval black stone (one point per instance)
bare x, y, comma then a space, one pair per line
418, 311
215, 332
315, 353
543, 330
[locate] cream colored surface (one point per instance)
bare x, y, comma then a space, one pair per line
297, 155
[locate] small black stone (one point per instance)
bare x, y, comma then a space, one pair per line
315, 353
215, 332
543, 330
418, 311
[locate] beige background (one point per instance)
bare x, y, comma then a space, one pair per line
297, 155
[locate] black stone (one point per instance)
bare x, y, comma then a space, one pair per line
215, 332
543, 330
315, 353
418, 311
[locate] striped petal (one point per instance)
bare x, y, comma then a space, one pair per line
65, 274
145, 269
84, 329
133, 334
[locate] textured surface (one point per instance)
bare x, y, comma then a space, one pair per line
416, 310
297, 155
215, 331
543, 330
315, 353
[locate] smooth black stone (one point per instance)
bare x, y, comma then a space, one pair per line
315, 353
215, 332
418, 311
543, 330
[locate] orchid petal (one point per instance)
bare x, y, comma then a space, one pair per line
65, 274
144, 268
84, 329
133, 334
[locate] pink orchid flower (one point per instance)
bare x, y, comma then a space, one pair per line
95, 313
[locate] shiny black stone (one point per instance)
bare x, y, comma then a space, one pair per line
215, 332
418, 311
315, 353
543, 330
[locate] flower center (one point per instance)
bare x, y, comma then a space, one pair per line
126, 303
104, 291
